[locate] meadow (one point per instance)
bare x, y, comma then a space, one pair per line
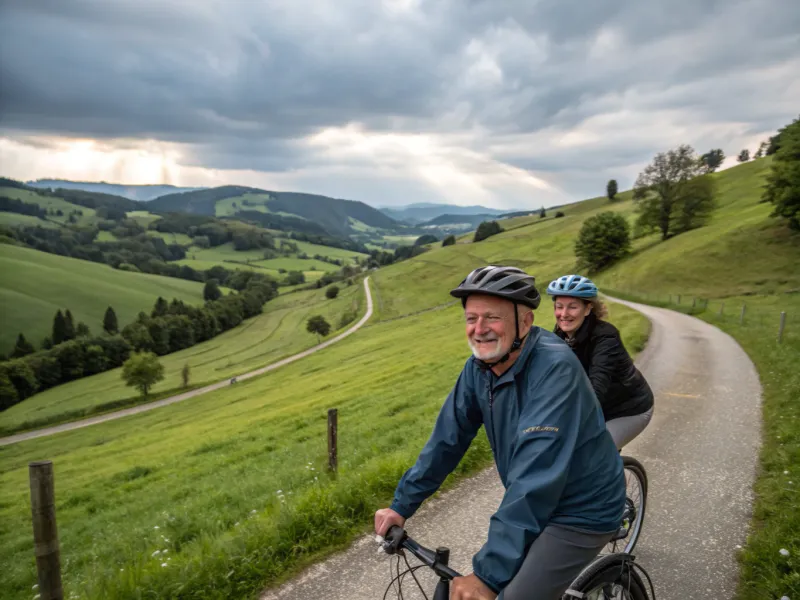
50, 203
37, 284
279, 332
229, 490
15, 220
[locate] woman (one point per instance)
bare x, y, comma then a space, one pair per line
622, 390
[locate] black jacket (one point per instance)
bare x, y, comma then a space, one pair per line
619, 386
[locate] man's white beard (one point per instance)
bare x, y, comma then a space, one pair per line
486, 355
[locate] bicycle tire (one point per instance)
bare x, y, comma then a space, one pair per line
637, 469
611, 570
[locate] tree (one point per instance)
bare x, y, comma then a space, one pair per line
744, 156
82, 330
449, 240
602, 240
59, 328
185, 375
426, 239
486, 229
559, 214
672, 194
712, 160
332, 292
319, 326
211, 291
783, 181
295, 278
69, 325
542, 213
110, 323
611, 189
761, 149
161, 307
142, 370
22, 348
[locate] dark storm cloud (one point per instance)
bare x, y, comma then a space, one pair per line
243, 84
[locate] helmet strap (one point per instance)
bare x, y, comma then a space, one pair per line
515, 345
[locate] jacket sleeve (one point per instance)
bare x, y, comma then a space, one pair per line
545, 441
608, 362
458, 422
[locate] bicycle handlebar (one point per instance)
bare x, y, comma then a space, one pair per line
397, 538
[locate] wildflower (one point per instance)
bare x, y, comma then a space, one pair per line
252, 512
156, 553
163, 564
784, 552
156, 527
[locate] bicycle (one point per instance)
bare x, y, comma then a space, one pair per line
608, 577
635, 503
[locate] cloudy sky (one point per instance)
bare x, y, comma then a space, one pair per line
506, 103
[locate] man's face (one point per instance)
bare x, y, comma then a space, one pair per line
490, 325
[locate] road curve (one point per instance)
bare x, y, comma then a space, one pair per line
700, 453
29, 435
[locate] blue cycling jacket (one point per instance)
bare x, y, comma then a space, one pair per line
555, 457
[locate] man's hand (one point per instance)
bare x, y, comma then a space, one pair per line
385, 518
470, 588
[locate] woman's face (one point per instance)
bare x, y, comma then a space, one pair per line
570, 313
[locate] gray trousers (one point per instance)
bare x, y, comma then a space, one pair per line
624, 429
553, 562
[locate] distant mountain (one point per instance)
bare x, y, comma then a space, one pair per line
332, 214
423, 212
450, 219
132, 192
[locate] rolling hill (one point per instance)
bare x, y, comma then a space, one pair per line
422, 212
37, 284
332, 214
231, 488
131, 192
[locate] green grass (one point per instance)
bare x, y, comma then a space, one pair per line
742, 250
204, 265
297, 264
105, 236
37, 284
330, 252
224, 252
16, 219
143, 217
226, 208
278, 332
235, 479
50, 202
172, 238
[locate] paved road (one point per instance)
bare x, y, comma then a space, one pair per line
5, 441
700, 454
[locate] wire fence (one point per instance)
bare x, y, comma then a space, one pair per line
775, 320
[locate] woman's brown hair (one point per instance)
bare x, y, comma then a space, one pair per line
599, 309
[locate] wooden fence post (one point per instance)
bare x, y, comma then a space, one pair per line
694, 302
721, 308
781, 326
741, 318
45, 532
332, 439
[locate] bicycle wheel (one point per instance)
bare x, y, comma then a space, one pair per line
635, 505
610, 577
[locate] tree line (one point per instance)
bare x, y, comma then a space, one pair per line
170, 326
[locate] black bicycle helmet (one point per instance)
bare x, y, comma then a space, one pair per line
506, 282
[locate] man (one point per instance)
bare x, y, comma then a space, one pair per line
565, 488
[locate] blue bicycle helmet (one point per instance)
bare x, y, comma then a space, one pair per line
574, 286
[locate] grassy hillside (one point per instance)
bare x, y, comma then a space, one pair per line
232, 484
741, 251
15, 219
278, 332
37, 284
49, 203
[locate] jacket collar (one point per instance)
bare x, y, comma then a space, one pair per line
523, 359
